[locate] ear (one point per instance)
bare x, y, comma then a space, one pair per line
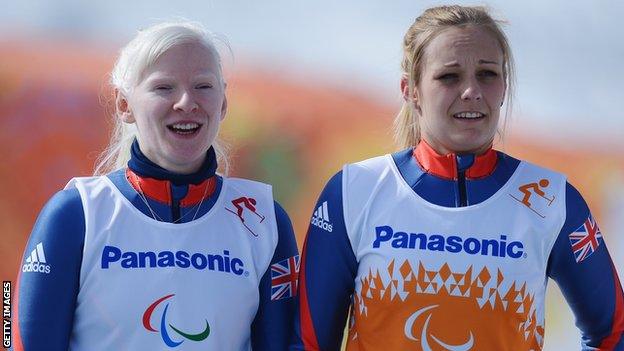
224, 107
504, 93
122, 108
410, 98
405, 88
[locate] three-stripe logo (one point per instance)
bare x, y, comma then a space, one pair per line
320, 218
36, 262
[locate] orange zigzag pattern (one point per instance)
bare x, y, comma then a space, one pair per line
465, 302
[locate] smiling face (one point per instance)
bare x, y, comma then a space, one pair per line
461, 89
177, 105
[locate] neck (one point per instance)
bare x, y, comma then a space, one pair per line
443, 150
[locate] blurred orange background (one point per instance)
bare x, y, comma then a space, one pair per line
292, 134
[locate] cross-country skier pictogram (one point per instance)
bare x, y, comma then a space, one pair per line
529, 189
248, 203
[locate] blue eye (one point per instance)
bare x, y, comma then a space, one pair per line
487, 74
447, 76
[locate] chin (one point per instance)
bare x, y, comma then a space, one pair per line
188, 151
474, 140
191, 159
470, 146
182, 157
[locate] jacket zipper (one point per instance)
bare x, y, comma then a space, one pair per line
175, 210
463, 163
461, 185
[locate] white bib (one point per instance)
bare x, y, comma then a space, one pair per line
432, 277
150, 285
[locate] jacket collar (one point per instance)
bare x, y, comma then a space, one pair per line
448, 166
161, 190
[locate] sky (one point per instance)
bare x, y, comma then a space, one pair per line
568, 54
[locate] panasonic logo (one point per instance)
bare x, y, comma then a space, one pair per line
385, 235
113, 256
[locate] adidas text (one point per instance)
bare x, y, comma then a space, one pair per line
36, 261
320, 218
36, 267
319, 222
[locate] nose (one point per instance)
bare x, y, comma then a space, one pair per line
186, 103
472, 91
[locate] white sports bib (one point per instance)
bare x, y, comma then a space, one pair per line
150, 285
438, 278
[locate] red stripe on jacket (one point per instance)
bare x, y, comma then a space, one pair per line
617, 328
308, 335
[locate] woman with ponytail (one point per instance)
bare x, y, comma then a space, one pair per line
448, 244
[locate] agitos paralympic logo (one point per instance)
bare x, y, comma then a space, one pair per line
147, 316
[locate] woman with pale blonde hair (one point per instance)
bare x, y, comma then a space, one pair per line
158, 250
448, 244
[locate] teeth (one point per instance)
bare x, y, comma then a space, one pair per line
185, 126
468, 115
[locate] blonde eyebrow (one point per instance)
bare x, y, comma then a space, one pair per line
488, 62
481, 62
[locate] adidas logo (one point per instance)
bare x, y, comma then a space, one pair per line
321, 218
36, 262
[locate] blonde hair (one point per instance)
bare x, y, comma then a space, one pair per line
134, 58
424, 29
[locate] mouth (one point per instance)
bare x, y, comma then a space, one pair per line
469, 115
184, 128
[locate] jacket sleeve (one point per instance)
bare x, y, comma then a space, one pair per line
272, 326
327, 276
580, 264
49, 277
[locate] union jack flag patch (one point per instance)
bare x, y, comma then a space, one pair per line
586, 239
284, 278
